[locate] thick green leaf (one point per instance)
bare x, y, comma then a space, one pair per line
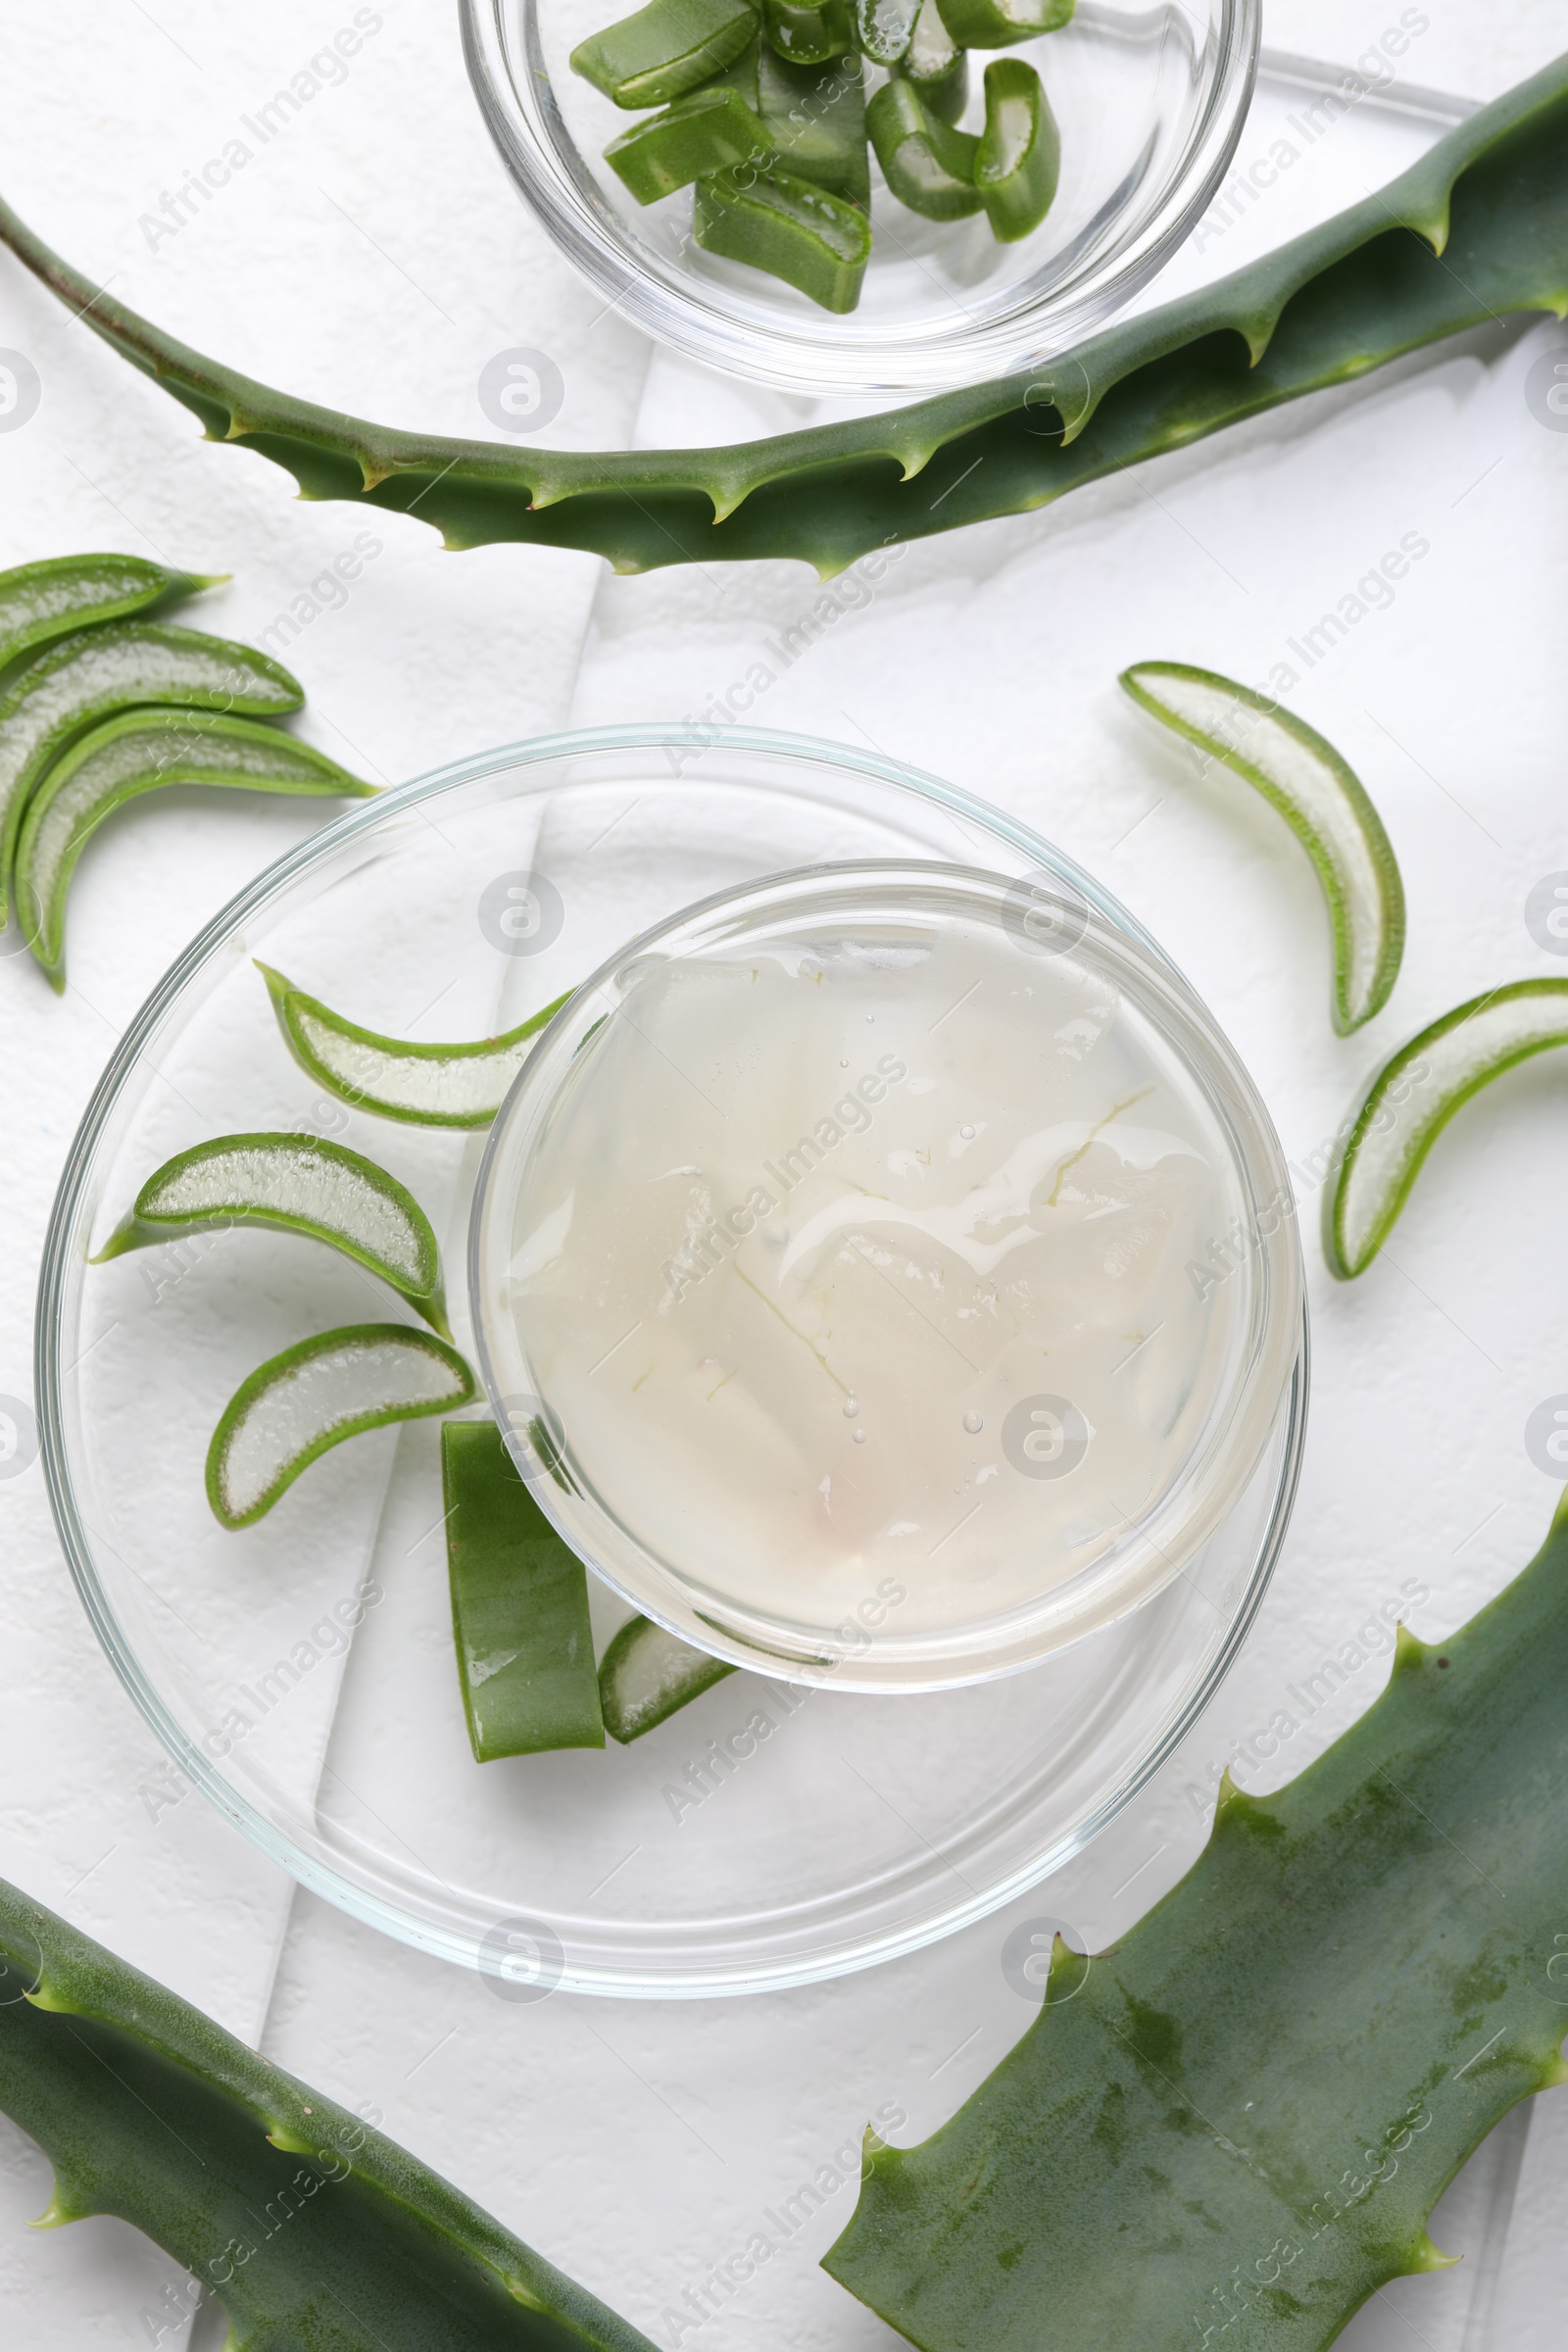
1476, 229
1232, 2129
314, 2232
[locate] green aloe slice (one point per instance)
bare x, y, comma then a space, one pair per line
426, 1085
665, 49
809, 33
997, 24
41, 601
927, 164
122, 758
1322, 801
312, 1397
708, 131
1019, 159
647, 1673
1415, 1094
815, 118
936, 66
884, 29
99, 672
293, 1184
520, 1606
794, 230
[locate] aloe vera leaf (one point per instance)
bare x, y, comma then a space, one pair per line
97, 673
425, 1086
1415, 1094
1488, 206
1231, 2128
149, 2110
293, 1184
1320, 798
128, 756
312, 1397
647, 1673
43, 600
520, 1606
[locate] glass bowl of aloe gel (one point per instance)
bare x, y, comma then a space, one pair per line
846, 1792
842, 1274
860, 197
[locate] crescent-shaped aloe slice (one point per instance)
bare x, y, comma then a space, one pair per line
1322, 801
96, 673
647, 1673
1476, 229
293, 1184
426, 1085
1229, 2130
314, 2232
128, 756
1415, 1094
299, 1404
41, 601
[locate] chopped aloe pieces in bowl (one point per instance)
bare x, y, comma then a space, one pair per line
296, 1406
1322, 801
295, 1183
1415, 1094
764, 104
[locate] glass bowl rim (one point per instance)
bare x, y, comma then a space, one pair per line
805, 362
335, 1886
613, 1545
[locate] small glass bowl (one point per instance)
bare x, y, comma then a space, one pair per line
603, 1107
1150, 101
300, 1673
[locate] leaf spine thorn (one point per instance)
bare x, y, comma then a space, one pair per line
1409, 1652
59, 2210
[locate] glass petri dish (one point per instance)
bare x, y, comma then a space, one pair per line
300, 1673
1150, 101
844, 1274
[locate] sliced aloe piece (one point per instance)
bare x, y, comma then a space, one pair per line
122, 758
296, 1405
1412, 1098
647, 1673
1320, 798
41, 601
426, 1085
96, 673
520, 1606
293, 1184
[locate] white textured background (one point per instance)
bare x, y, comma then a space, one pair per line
374, 257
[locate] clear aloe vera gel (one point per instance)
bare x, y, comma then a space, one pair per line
894, 1268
